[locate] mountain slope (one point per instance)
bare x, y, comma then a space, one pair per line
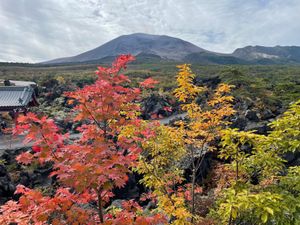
162, 46
213, 58
263, 55
156, 48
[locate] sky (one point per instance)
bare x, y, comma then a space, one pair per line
40, 30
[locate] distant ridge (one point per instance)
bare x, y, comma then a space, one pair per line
158, 48
161, 45
277, 54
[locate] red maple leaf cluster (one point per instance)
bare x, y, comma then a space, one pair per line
87, 169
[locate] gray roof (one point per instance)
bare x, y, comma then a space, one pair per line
16, 96
22, 83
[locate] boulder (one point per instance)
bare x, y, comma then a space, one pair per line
239, 122
260, 128
292, 158
7, 188
251, 115
156, 104
131, 190
267, 114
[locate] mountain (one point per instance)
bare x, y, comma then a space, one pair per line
213, 58
156, 48
161, 46
269, 55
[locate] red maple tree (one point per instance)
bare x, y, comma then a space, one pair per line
90, 167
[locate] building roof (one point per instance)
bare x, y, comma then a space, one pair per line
22, 83
14, 97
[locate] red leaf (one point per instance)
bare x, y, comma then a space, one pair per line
148, 83
168, 108
36, 148
25, 158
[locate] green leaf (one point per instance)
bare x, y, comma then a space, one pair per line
264, 217
269, 210
234, 213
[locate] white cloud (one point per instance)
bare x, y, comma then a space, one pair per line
35, 30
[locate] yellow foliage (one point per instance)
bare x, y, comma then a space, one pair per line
204, 121
61, 80
159, 165
186, 89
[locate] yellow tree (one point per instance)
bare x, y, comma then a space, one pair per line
275, 195
159, 165
204, 121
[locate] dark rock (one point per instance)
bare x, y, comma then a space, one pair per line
10, 156
7, 83
239, 122
117, 203
40, 176
292, 158
203, 171
25, 179
7, 188
289, 157
259, 128
44, 170
246, 148
155, 104
3, 171
295, 162
131, 190
211, 82
149, 206
251, 115
266, 114
240, 105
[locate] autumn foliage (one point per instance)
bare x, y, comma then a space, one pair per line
205, 121
114, 141
90, 167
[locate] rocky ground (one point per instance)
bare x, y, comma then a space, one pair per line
248, 117
251, 115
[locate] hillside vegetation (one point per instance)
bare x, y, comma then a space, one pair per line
231, 158
269, 83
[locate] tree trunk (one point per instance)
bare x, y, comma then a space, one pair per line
100, 212
193, 193
230, 218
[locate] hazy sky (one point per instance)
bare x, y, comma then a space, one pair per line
38, 30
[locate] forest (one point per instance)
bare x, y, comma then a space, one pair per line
142, 143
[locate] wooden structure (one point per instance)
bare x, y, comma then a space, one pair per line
17, 99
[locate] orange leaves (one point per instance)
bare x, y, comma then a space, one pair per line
132, 214
122, 61
43, 132
208, 117
148, 83
21, 189
186, 90
71, 101
25, 158
12, 213
94, 164
221, 95
205, 120
224, 88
